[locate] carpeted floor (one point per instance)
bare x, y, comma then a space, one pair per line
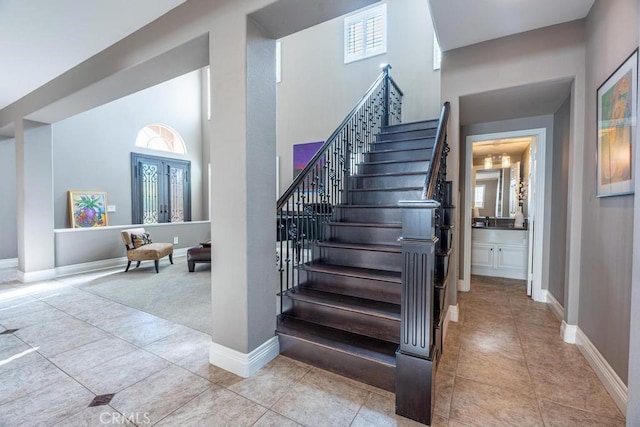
173, 294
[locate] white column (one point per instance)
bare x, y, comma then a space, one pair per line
34, 168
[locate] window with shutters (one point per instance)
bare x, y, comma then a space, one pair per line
160, 189
365, 34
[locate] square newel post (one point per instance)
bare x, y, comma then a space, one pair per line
415, 359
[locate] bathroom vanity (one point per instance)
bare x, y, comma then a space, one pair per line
499, 251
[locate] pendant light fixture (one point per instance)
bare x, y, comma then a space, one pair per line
488, 162
506, 160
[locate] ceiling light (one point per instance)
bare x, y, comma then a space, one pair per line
506, 160
488, 162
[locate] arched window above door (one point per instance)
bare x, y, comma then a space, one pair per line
162, 138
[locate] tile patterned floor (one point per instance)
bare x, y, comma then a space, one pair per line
78, 359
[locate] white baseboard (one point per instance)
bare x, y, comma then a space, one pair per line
568, 332
243, 364
88, 267
454, 310
611, 381
36, 276
9, 263
461, 286
555, 306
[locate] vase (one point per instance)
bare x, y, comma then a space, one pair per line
518, 221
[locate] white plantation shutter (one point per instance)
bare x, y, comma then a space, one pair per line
365, 34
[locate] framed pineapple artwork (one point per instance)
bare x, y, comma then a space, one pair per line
88, 209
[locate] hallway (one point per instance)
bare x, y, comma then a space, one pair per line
61, 347
504, 363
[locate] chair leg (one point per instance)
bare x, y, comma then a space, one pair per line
128, 265
171, 258
157, 264
192, 266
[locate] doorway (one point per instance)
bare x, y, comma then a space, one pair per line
534, 201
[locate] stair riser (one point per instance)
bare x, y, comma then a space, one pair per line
376, 290
366, 168
391, 215
377, 260
368, 371
423, 153
370, 235
403, 145
409, 134
427, 124
383, 197
388, 181
350, 321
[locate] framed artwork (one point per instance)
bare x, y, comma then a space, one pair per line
302, 153
616, 133
88, 209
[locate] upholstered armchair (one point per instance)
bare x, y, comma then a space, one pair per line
140, 248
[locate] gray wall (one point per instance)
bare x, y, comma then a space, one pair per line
8, 216
104, 243
318, 90
559, 189
92, 150
607, 238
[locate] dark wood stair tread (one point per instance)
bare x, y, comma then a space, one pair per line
363, 190
359, 345
366, 224
384, 174
349, 303
386, 162
397, 150
357, 272
360, 246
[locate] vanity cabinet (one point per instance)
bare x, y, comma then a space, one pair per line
499, 253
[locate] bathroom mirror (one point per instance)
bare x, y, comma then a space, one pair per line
496, 191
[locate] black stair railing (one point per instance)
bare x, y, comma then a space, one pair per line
305, 208
437, 172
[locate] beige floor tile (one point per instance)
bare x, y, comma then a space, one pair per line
449, 362
479, 404
160, 394
140, 329
88, 356
576, 386
14, 353
529, 331
103, 415
488, 342
321, 400
488, 323
46, 406
556, 415
537, 317
181, 345
200, 366
444, 390
552, 352
271, 382
494, 369
272, 419
121, 372
25, 319
215, 407
54, 338
21, 381
379, 411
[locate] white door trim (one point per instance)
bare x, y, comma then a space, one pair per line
538, 215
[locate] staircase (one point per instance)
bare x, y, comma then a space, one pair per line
349, 287
345, 316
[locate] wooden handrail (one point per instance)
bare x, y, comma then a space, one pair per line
436, 156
